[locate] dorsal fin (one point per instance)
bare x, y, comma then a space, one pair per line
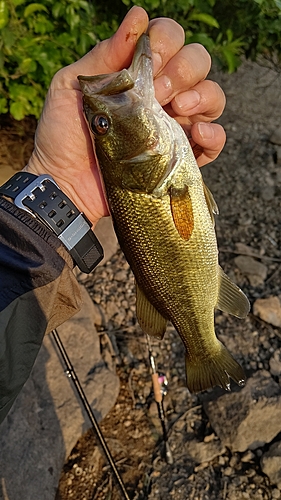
181, 207
212, 206
150, 320
231, 299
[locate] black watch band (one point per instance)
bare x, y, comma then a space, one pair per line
42, 198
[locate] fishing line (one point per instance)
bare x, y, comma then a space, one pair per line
70, 372
158, 390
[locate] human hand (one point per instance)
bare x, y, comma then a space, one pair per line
63, 147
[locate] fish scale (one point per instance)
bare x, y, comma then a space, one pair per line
163, 218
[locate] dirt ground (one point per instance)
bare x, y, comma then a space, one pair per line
246, 183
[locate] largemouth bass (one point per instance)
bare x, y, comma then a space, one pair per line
164, 218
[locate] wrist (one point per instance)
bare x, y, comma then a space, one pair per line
83, 187
42, 198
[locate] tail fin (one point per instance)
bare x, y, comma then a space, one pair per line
214, 370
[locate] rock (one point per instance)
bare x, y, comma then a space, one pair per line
248, 456
106, 235
271, 464
255, 271
121, 275
269, 310
275, 363
241, 419
202, 452
47, 419
246, 249
268, 193
276, 137
112, 309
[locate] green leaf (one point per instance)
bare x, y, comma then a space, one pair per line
27, 65
4, 14
230, 59
18, 110
3, 105
204, 18
57, 9
8, 37
34, 7
18, 2
204, 39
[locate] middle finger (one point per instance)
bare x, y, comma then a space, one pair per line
188, 67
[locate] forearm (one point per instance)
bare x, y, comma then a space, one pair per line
38, 292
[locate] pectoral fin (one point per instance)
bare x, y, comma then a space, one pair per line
231, 299
150, 320
181, 207
212, 206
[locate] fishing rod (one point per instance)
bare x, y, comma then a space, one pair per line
70, 372
158, 384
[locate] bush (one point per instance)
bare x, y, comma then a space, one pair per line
37, 39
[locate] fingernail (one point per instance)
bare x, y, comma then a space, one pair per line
157, 62
206, 131
188, 100
163, 88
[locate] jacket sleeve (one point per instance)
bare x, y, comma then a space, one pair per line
38, 292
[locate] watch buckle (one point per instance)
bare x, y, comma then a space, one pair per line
28, 192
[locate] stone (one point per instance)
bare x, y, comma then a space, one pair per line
271, 464
105, 233
269, 310
275, 363
275, 138
47, 418
202, 452
268, 193
255, 271
248, 456
246, 249
241, 419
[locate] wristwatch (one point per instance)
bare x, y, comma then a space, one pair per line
42, 198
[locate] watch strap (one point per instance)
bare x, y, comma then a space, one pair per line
42, 198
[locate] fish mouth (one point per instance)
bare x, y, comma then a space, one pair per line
142, 60
141, 69
138, 75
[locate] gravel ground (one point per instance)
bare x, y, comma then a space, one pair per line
246, 183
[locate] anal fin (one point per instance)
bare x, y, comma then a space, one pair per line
150, 320
231, 299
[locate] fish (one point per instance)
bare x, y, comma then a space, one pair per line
163, 215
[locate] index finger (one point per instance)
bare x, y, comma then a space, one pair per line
109, 55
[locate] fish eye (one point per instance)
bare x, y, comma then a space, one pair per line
99, 124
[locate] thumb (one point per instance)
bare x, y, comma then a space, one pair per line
113, 54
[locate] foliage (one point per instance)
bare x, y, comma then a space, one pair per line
38, 38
